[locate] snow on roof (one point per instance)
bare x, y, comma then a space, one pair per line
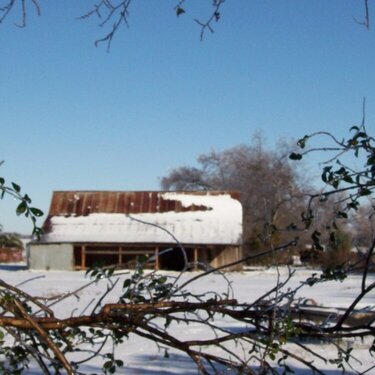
205, 218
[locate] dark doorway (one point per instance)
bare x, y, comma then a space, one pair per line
172, 260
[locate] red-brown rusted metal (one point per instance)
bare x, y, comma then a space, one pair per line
83, 203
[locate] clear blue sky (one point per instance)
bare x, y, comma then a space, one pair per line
76, 117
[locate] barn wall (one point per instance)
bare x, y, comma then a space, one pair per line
61, 256
51, 257
226, 255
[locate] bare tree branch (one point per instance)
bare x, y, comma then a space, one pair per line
366, 21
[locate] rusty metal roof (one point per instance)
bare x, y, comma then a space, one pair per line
84, 203
203, 217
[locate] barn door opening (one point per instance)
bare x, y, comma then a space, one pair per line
172, 260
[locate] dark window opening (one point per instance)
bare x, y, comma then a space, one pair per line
173, 260
86, 256
101, 260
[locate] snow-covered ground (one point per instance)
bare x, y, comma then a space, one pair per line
143, 357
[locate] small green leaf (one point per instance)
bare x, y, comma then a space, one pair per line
361, 135
162, 279
2, 181
180, 11
335, 183
16, 187
36, 212
348, 179
295, 156
364, 191
21, 208
107, 365
302, 142
27, 198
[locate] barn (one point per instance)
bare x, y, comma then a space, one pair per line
88, 228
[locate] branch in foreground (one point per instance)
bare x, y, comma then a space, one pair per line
269, 325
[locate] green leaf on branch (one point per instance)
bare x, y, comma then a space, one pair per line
353, 205
360, 135
302, 142
348, 179
295, 156
16, 187
26, 198
180, 11
327, 174
36, 212
371, 159
21, 208
364, 191
162, 279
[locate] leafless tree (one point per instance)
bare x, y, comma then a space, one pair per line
272, 191
110, 14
